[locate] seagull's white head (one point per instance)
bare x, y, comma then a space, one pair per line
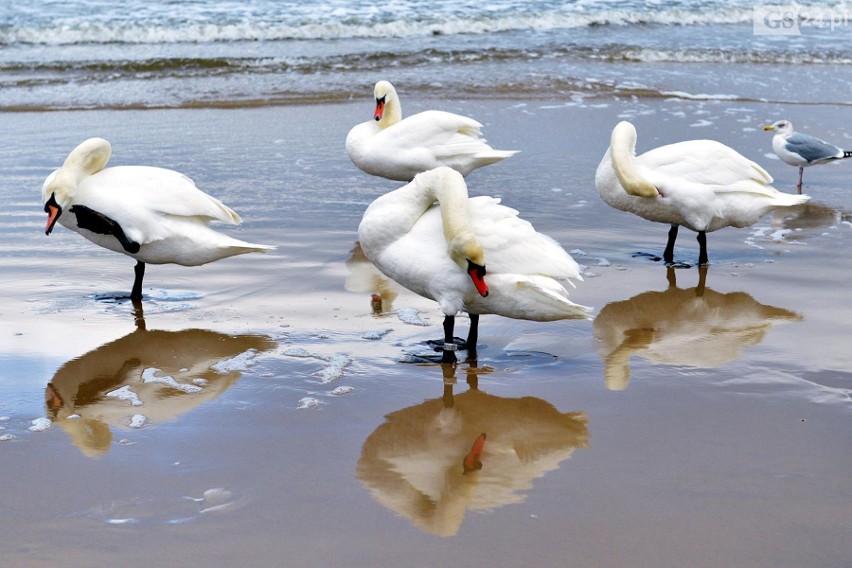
782, 127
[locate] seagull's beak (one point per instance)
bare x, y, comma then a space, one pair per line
53, 211
768, 127
380, 108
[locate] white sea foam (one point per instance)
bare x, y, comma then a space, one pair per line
7, 437
137, 421
178, 22
240, 362
149, 376
307, 402
341, 391
124, 393
40, 424
375, 334
410, 316
699, 96
336, 363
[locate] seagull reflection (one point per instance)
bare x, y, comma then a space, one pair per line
149, 374
694, 327
473, 451
363, 276
814, 216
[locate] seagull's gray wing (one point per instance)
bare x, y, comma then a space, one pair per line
812, 149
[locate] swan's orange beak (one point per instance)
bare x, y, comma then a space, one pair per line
472, 461
380, 108
477, 274
53, 211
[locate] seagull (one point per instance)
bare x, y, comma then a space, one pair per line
801, 150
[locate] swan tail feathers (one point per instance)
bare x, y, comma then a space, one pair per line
553, 300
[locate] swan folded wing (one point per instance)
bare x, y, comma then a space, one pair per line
512, 245
432, 128
167, 192
778, 198
704, 161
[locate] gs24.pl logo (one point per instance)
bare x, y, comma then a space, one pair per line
789, 20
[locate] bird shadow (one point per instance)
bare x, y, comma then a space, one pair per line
658, 258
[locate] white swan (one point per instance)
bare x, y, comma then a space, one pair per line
151, 214
398, 149
440, 251
802, 150
702, 185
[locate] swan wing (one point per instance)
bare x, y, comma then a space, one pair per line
126, 192
444, 132
705, 162
512, 245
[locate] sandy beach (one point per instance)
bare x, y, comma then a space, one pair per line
690, 424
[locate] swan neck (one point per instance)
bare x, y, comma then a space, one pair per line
622, 154
392, 111
448, 187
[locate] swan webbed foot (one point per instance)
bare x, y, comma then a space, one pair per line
656, 258
678, 264
438, 344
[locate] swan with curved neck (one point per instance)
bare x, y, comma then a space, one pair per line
623, 153
431, 238
702, 185
151, 214
395, 148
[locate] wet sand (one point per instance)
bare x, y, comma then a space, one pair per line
700, 420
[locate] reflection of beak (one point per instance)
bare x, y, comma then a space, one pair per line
53, 211
472, 459
768, 127
380, 108
477, 274
52, 399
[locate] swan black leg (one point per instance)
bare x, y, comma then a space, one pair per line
668, 254
139, 270
702, 252
473, 336
449, 353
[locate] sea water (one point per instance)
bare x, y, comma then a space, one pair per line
203, 53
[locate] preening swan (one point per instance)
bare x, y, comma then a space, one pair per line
440, 251
801, 150
702, 185
398, 149
151, 214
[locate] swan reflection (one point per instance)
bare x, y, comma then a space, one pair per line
363, 276
149, 375
694, 327
434, 461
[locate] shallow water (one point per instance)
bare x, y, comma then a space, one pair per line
687, 425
